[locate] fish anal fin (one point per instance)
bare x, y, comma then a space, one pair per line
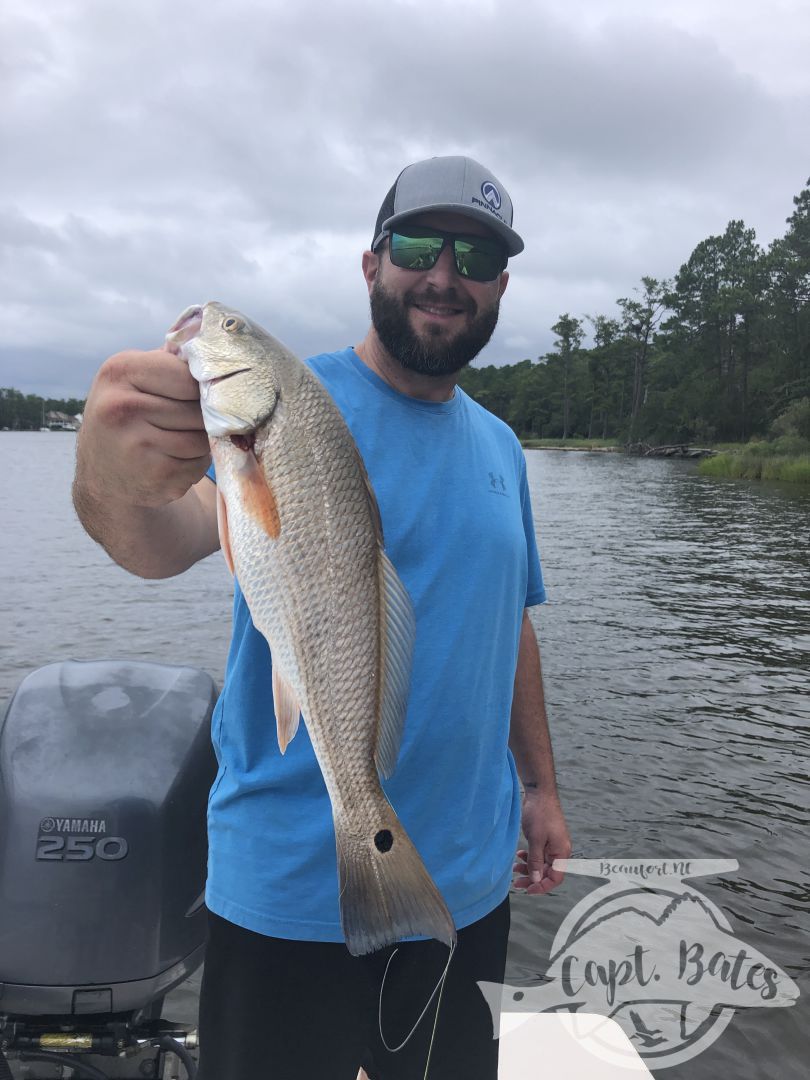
222, 528
398, 632
257, 495
287, 709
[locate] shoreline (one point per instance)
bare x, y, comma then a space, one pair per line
533, 444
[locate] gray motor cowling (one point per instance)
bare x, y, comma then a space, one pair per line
105, 769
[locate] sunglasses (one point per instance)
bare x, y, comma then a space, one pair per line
415, 247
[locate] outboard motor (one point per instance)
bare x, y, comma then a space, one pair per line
105, 769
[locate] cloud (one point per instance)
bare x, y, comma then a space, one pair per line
166, 155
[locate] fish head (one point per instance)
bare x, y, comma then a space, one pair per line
232, 359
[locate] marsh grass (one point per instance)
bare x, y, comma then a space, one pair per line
786, 459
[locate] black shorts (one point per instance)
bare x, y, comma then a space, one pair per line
272, 1009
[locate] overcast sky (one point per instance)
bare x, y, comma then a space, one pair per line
161, 154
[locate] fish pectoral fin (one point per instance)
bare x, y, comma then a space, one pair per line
257, 495
398, 624
222, 528
287, 709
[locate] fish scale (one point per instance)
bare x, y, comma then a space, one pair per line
301, 525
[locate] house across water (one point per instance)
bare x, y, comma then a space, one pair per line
59, 421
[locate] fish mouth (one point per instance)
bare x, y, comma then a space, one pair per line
206, 384
230, 375
187, 327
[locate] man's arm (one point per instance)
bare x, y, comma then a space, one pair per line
154, 542
529, 740
140, 488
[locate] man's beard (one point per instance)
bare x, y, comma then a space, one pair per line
433, 354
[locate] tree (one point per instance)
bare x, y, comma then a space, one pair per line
638, 323
789, 274
24, 412
720, 352
719, 300
570, 334
606, 372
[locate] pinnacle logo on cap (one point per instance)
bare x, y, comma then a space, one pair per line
456, 185
491, 194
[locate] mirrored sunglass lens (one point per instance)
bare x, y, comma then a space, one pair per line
477, 264
415, 252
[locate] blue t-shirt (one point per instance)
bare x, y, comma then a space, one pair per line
450, 480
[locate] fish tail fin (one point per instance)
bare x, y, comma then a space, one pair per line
386, 893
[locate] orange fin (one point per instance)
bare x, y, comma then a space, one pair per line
286, 708
222, 527
257, 496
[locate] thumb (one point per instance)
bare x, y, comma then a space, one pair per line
536, 863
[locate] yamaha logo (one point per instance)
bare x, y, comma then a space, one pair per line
491, 194
73, 825
78, 839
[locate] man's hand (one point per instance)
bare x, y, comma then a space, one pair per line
142, 441
141, 456
545, 830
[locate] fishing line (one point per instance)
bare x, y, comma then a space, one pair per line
438, 987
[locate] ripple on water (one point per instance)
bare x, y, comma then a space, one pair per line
675, 652
675, 649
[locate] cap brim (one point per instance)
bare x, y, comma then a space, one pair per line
514, 243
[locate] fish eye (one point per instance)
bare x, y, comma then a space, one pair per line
232, 324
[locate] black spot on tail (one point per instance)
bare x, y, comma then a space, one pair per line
383, 841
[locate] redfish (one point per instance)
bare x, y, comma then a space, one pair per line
300, 528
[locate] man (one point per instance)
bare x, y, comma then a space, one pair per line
281, 994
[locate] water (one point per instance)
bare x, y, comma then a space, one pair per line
675, 649
63, 598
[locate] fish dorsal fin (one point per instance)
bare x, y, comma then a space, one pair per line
222, 528
372, 498
398, 626
287, 709
398, 632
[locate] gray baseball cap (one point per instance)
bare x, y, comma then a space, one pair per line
456, 184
